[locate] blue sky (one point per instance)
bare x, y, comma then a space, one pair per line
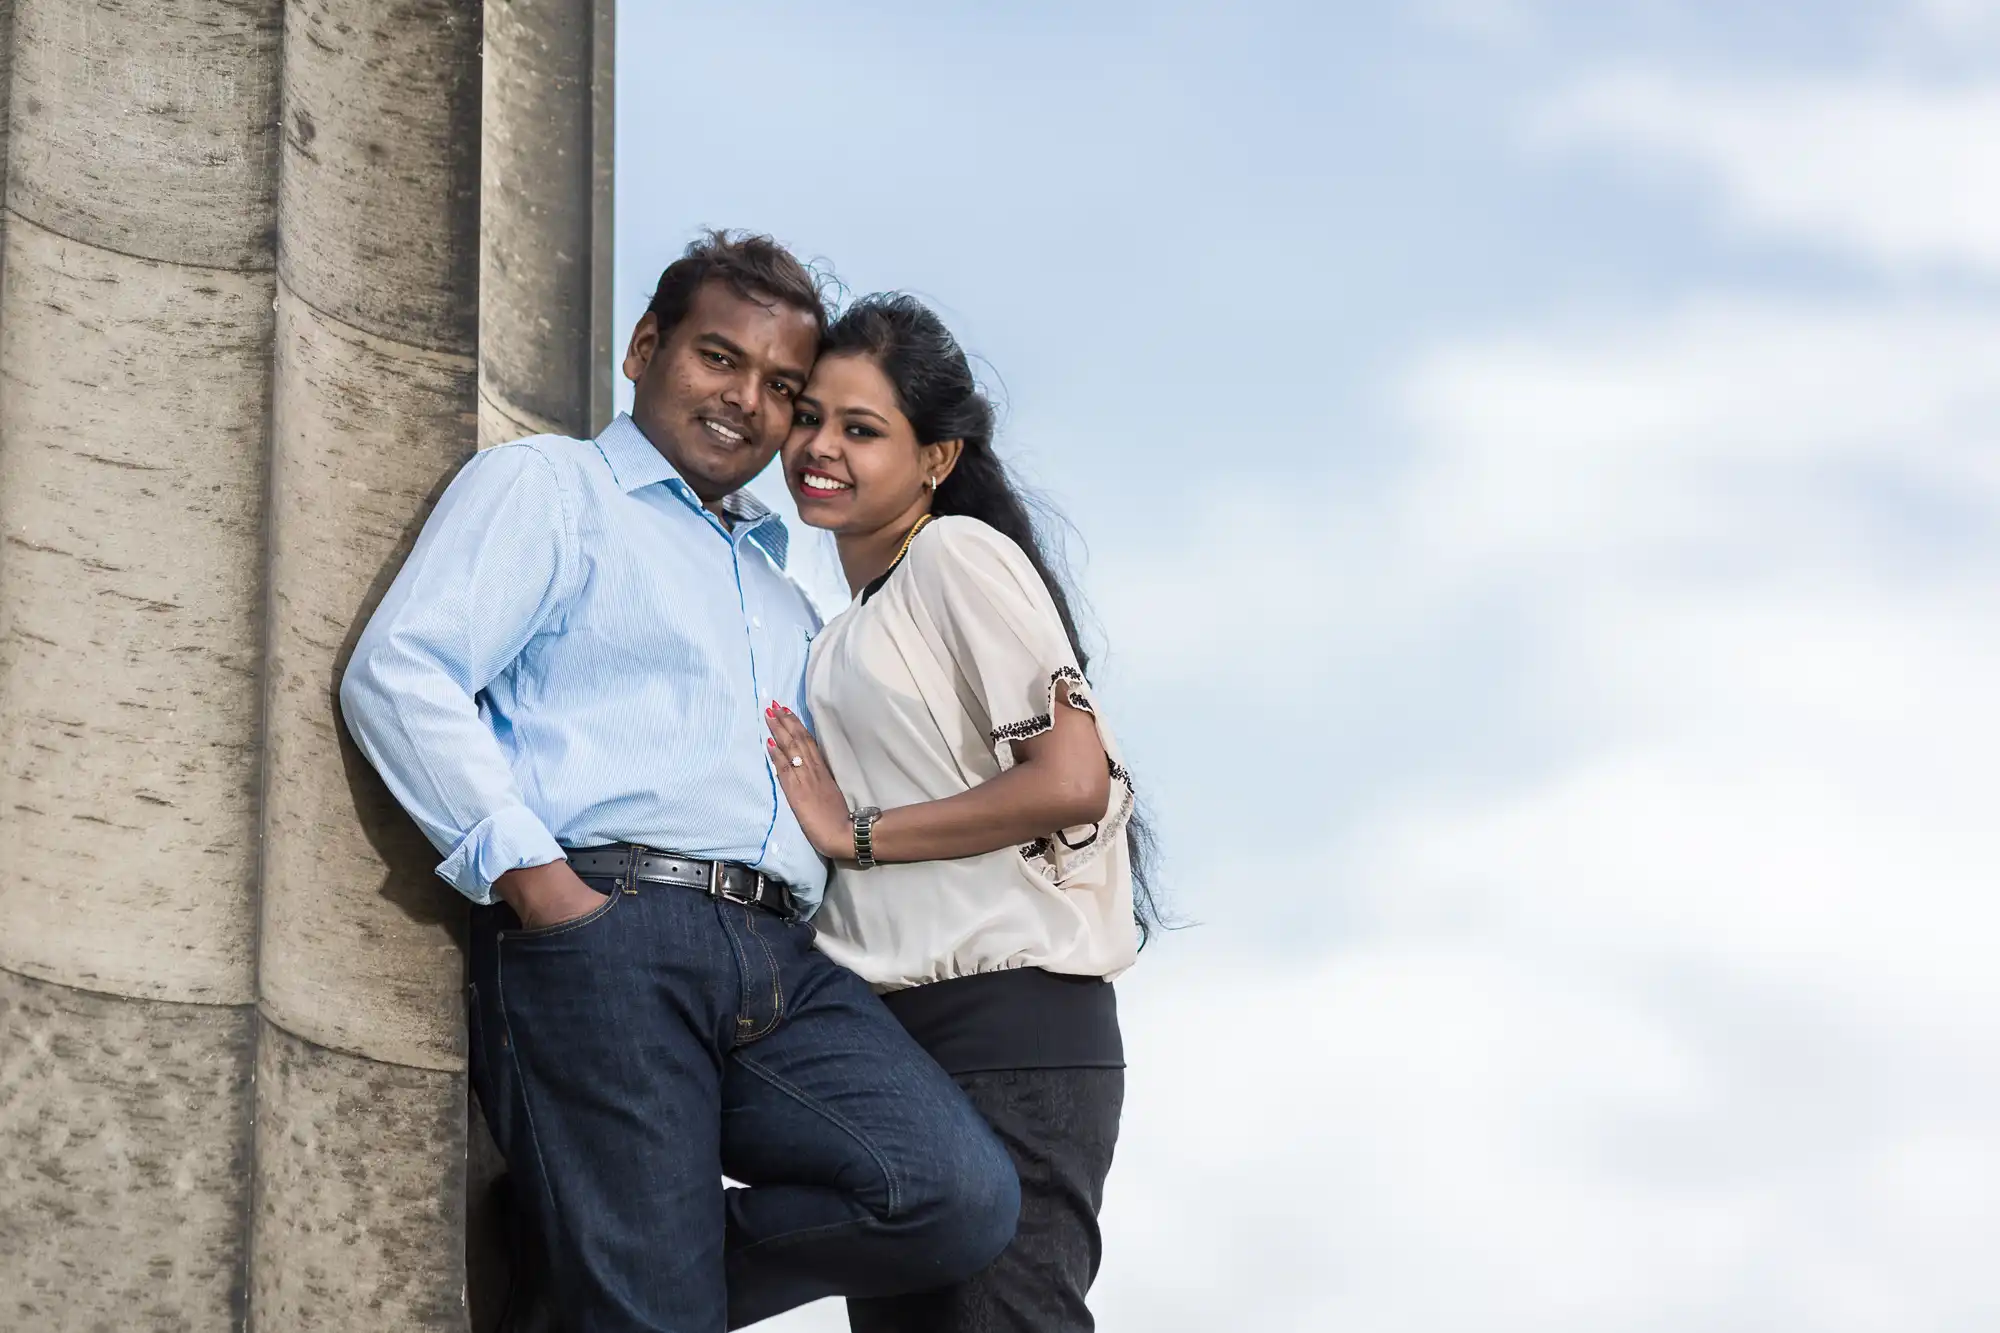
1539, 476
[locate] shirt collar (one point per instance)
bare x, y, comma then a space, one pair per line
635, 463
754, 520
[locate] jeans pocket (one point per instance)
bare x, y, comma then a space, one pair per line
521, 934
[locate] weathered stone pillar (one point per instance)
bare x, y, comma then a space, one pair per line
135, 345
545, 220
6, 78
360, 1083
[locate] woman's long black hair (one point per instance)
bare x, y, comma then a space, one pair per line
935, 388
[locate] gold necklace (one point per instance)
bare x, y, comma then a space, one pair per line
905, 550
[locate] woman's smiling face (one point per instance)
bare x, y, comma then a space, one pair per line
853, 461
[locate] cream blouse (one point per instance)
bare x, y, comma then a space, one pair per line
918, 694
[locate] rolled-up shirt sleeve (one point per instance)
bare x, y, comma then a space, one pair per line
491, 569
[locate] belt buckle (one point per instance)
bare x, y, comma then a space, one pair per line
716, 888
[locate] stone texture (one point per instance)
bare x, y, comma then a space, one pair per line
124, 1175
545, 202
135, 352
6, 83
132, 395
498, 425
149, 126
358, 1221
6, 76
378, 198
359, 948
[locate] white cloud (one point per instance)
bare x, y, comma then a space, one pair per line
1958, 19
1900, 175
1731, 427
1731, 438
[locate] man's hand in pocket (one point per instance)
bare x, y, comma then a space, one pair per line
544, 896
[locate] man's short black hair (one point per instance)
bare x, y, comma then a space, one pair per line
755, 267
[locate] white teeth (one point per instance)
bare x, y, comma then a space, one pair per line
728, 433
816, 483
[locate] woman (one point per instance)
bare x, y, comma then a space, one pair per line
968, 792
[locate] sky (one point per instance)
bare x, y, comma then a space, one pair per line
1537, 468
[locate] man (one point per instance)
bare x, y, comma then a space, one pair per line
565, 687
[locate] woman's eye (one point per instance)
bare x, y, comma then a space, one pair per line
863, 432
804, 418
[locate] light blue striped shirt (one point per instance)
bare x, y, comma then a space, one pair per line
577, 653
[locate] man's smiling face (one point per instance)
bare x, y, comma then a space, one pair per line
714, 394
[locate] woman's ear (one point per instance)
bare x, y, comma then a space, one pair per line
940, 458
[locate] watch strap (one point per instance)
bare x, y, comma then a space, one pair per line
864, 835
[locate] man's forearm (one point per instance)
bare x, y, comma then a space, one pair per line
423, 734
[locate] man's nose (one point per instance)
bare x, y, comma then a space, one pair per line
741, 393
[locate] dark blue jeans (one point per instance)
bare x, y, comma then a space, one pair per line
627, 1060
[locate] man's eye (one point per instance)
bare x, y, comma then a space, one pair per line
715, 358
782, 389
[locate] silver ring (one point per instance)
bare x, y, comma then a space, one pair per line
798, 762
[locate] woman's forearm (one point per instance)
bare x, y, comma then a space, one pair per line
1061, 780
1016, 807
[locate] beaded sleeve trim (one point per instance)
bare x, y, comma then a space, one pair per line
1020, 731
1057, 857
1074, 687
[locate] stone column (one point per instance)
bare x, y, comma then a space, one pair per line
360, 1106
545, 220
6, 76
135, 345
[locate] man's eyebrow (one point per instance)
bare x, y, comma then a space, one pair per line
719, 341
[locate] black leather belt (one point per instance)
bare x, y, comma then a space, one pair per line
628, 862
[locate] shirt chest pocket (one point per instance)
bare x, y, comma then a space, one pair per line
782, 653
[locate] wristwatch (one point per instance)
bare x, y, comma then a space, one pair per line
864, 835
